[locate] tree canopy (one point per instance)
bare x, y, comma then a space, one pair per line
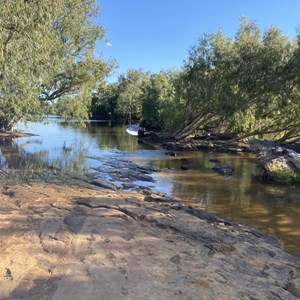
129, 94
47, 54
242, 86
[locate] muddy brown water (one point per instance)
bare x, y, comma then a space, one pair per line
242, 197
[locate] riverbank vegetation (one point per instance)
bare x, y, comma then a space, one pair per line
47, 56
239, 87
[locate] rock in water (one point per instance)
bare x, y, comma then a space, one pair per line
276, 163
223, 169
171, 153
185, 164
214, 160
103, 184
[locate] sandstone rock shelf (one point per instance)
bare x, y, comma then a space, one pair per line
67, 240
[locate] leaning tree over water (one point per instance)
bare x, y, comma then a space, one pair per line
243, 86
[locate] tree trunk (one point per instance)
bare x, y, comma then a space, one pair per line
190, 128
258, 132
7, 123
182, 126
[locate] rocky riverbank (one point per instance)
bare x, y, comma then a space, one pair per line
277, 163
194, 144
67, 239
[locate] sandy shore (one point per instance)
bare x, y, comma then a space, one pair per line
67, 240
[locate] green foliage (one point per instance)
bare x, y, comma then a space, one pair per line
104, 102
152, 97
46, 54
129, 94
279, 169
171, 107
159, 105
288, 176
243, 85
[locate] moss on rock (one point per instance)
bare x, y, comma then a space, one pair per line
279, 170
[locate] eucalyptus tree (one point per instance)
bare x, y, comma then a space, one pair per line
266, 96
206, 85
129, 92
104, 102
47, 55
159, 103
243, 86
290, 75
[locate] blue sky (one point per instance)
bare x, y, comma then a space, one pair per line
157, 34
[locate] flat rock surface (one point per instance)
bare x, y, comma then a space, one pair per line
64, 241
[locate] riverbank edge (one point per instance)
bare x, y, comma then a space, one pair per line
209, 143
277, 163
15, 134
222, 240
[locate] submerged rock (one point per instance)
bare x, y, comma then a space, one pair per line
171, 153
214, 160
120, 171
129, 186
220, 168
146, 169
223, 169
185, 164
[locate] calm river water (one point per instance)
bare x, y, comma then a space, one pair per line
273, 209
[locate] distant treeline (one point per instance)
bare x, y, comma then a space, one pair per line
242, 86
239, 86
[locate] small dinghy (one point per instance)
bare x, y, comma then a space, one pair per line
133, 129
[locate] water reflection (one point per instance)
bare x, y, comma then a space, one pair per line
68, 147
109, 135
241, 197
272, 208
15, 158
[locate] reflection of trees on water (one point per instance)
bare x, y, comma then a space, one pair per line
272, 208
72, 160
17, 160
70, 156
203, 183
109, 135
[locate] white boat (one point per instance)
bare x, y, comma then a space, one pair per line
133, 129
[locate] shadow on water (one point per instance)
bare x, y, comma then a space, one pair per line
241, 197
